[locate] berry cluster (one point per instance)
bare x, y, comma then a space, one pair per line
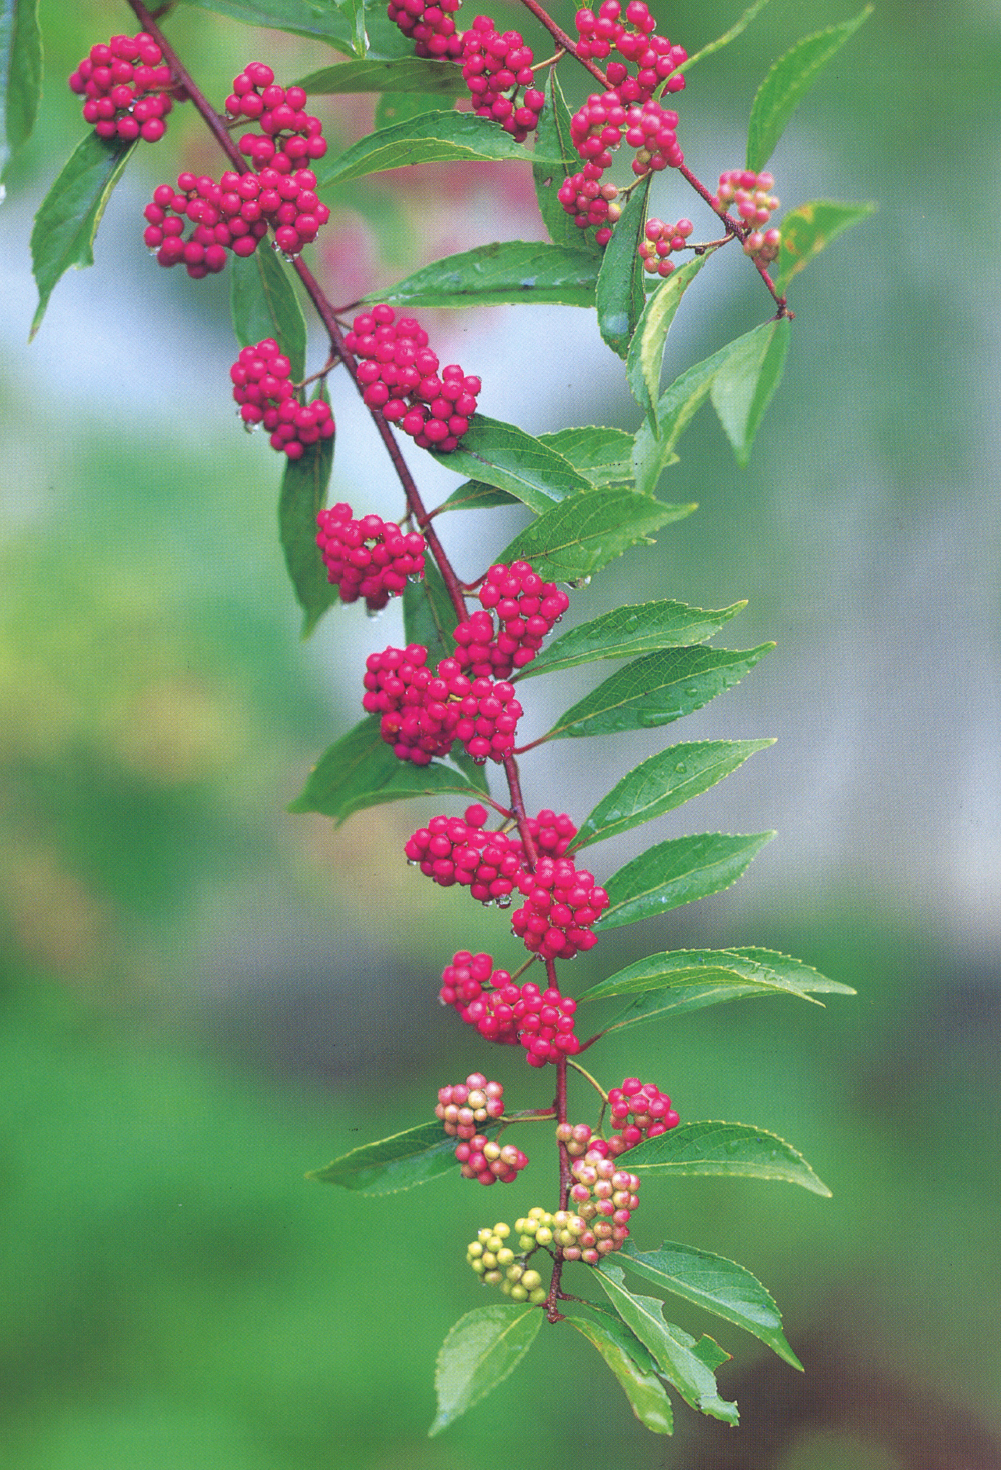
649, 1108
423, 714
526, 609
489, 1162
541, 1022
564, 902
750, 194
429, 23
495, 1263
288, 136
463, 1105
604, 1197
494, 66
127, 87
262, 388
452, 850
660, 241
370, 558
654, 56
399, 375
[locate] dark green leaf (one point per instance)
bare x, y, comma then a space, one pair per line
625, 632
646, 350
434, 137
719, 1285
20, 74
481, 1350
663, 782
688, 979
657, 689
66, 223
746, 383
688, 1364
473, 495
395, 1163
678, 405
393, 108
727, 37
403, 74
429, 618
809, 229
621, 293
584, 532
335, 24
632, 1365
304, 488
263, 304
676, 872
508, 270
788, 82
602, 455
503, 455
723, 1148
360, 771
553, 142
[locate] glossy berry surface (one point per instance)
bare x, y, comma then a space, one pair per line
519, 610
495, 67
267, 397
562, 904
127, 88
368, 558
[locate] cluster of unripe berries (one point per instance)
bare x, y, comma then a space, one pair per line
236, 213
368, 558
526, 608
422, 714
750, 195
463, 1109
495, 1263
267, 397
127, 88
398, 373
659, 242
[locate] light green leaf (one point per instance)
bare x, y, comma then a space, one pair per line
657, 689
723, 1148
688, 1364
20, 74
505, 456
338, 25
809, 229
632, 1365
646, 350
677, 872
66, 223
688, 979
554, 143
360, 770
584, 532
393, 108
602, 455
677, 407
263, 304
746, 384
788, 82
726, 38
719, 1285
303, 492
395, 1163
434, 137
627, 631
482, 1349
473, 495
506, 271
401, 74
621, 294
663, 782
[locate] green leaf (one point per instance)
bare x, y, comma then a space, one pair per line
746, 384
677, 872
727, 36
393, 108
584, 532
473, 495
688, 1364
66, 223
482, 1349
688, 979
602, 455
505, 271
719, 1285
663, 782
503, 455
621, 292
20, 74
809, 229
656, 690
434, 137
724, 1148
395, 1163
304, 489
429, 617
624, 632
788, 82
336, 24
632, 1365
360, 770
646, 350
402, 74
554, 143
679, 403
263, 304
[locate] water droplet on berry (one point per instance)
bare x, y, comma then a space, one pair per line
374, 612
504, 901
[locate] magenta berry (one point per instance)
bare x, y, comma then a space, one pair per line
430, 25
494, 67
128, 88
369, 558
290, 138
526, 608
563, 904
489, 1162
399, 375
262, 388
465, 1105
640, 1110
542, 1022
654, 57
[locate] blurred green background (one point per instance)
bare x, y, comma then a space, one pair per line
204, 997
